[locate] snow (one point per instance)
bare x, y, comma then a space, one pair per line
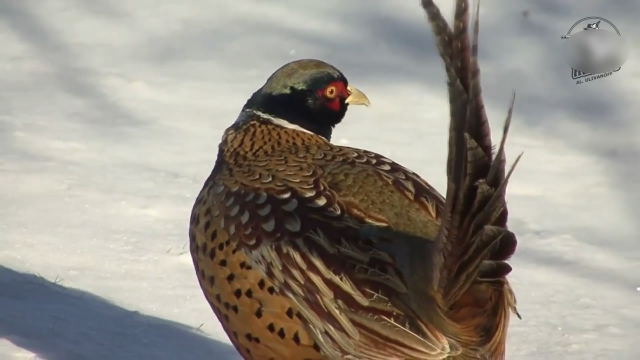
110, 116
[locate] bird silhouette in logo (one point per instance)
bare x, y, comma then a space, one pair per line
593, 26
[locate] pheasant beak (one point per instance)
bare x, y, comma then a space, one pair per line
356, 97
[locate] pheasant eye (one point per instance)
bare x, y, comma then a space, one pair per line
331, 92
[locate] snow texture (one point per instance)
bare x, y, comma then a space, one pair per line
110, 116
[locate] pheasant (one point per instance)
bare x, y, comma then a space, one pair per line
309, 250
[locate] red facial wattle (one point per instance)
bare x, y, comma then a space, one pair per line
333, 104
332, 93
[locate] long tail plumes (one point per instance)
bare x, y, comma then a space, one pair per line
473, 237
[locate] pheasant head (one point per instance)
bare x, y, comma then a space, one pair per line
309, 94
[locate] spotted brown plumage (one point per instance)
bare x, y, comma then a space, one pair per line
309, 250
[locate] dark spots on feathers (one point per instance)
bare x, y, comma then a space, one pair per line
251, 338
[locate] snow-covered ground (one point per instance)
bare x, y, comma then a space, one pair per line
110, 116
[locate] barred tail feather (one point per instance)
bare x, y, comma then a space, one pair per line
473, 238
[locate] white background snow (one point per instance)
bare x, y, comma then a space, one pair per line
110, 116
